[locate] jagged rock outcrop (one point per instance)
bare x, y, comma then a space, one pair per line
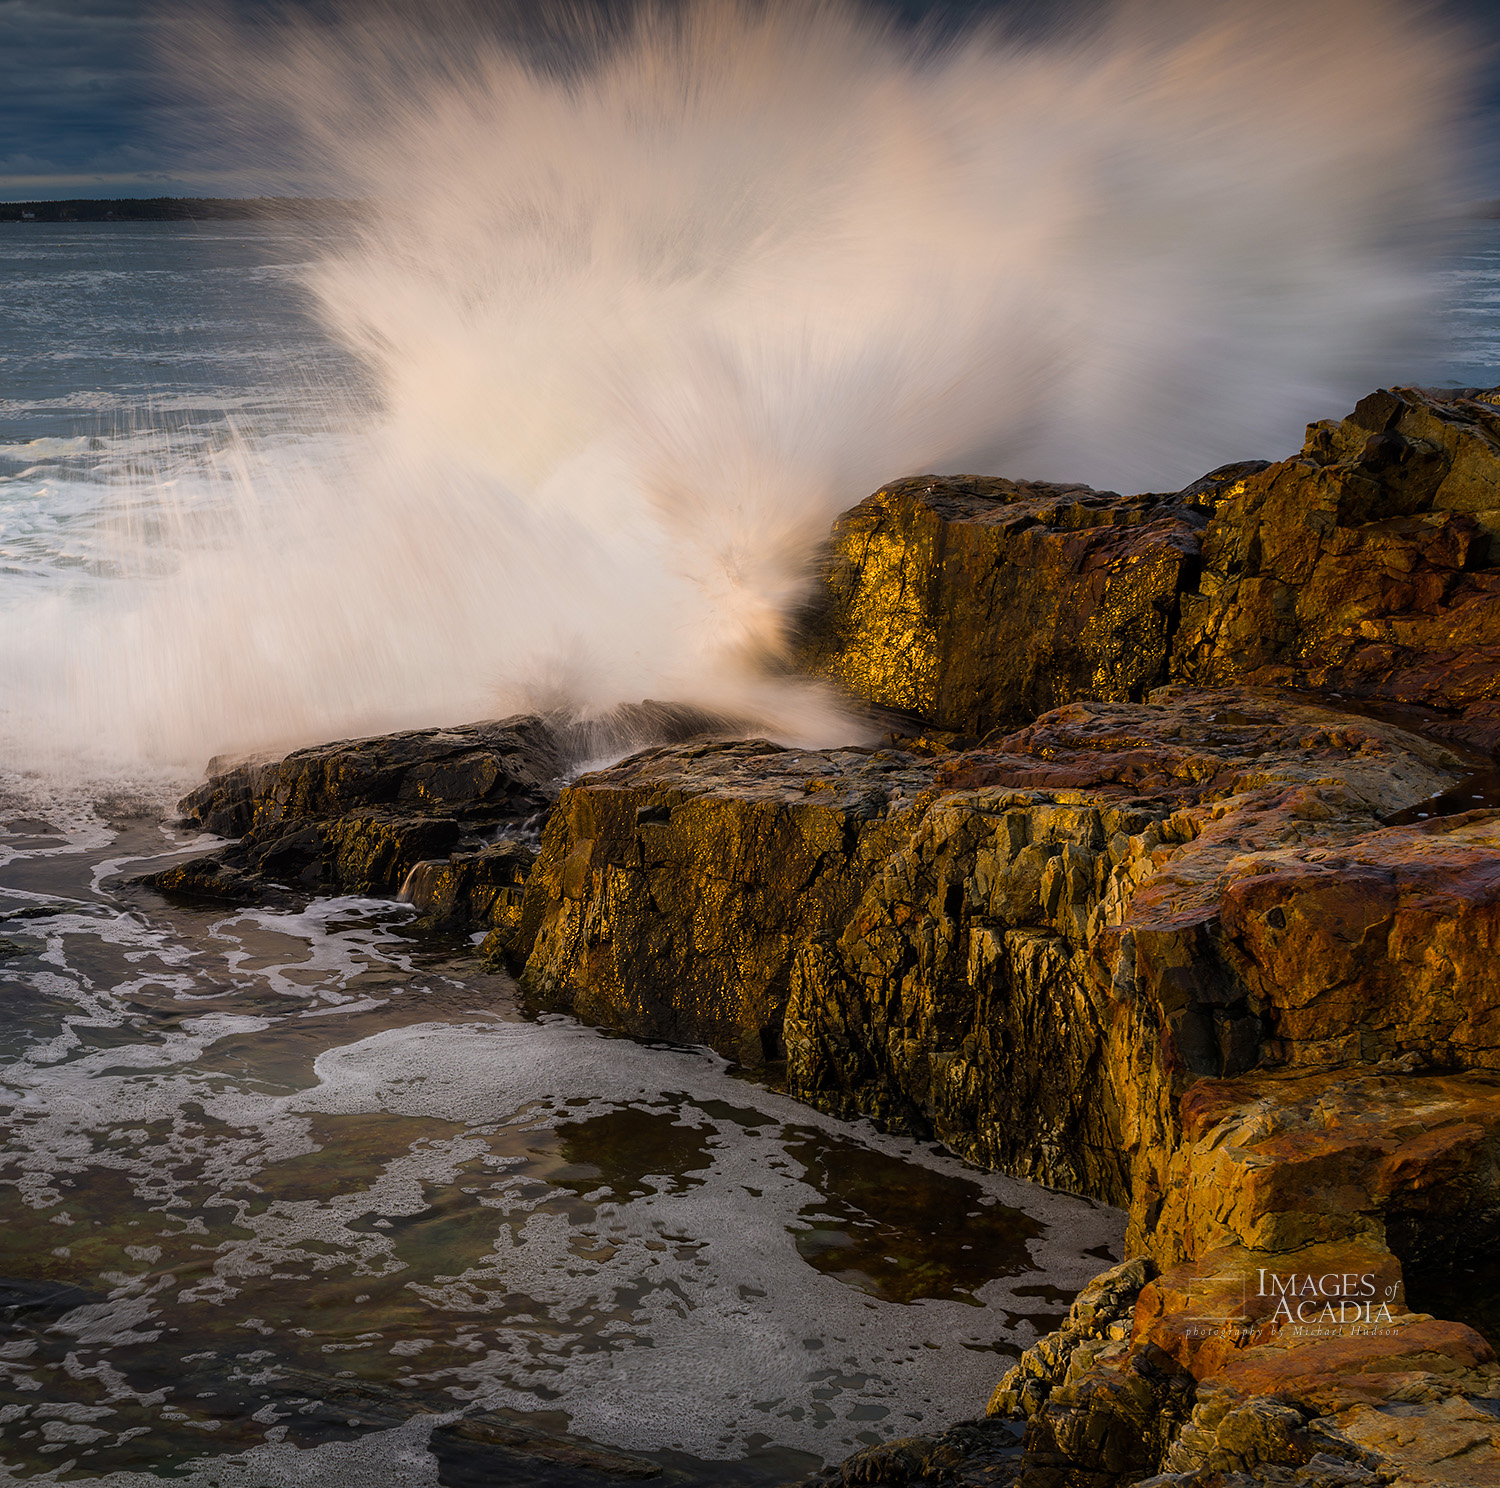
1098, 1324
1417, 1402
1169, 954
483, 887
1034, 948
1368, 564
447, 813
975, 602
1117, 903
360, 815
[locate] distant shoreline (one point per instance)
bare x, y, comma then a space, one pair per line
294, 208
179, 209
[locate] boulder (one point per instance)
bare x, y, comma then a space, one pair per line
975, 602
361, 815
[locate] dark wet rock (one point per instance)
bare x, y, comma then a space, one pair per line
1099, 1317
375, 850
970, 1454
486, 887
359, 816
211, 880
491, 1446
37, 1302
1109, 1423
480, 771
449, 805
629, 727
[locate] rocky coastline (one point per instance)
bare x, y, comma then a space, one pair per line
1177, 884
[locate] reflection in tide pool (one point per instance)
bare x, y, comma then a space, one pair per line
302, 1198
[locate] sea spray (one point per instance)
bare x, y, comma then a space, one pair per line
647, 306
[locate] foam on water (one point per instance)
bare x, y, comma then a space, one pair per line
393, 1459
264, 1140
642, 315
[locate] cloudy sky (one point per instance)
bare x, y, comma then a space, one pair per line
82, 107
87, 107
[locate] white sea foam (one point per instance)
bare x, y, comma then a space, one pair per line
163, 1084
728, 1356
728, 1334
390, 1459
642, 325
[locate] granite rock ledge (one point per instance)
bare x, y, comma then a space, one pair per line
1170, 954
1368, 565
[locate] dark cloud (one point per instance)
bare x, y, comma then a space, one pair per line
89, 105
75, 90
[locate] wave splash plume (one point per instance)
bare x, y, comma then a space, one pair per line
646, 309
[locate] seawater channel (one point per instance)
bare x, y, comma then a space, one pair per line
305, 1198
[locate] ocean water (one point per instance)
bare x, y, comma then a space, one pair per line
133, 358
1469, 347
258, 1163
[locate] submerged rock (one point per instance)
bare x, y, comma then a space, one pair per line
480, 1445
970, 1454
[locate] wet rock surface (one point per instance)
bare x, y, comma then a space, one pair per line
970, 1454
449, 816
359, 816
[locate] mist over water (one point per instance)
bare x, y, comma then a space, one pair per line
642, 317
